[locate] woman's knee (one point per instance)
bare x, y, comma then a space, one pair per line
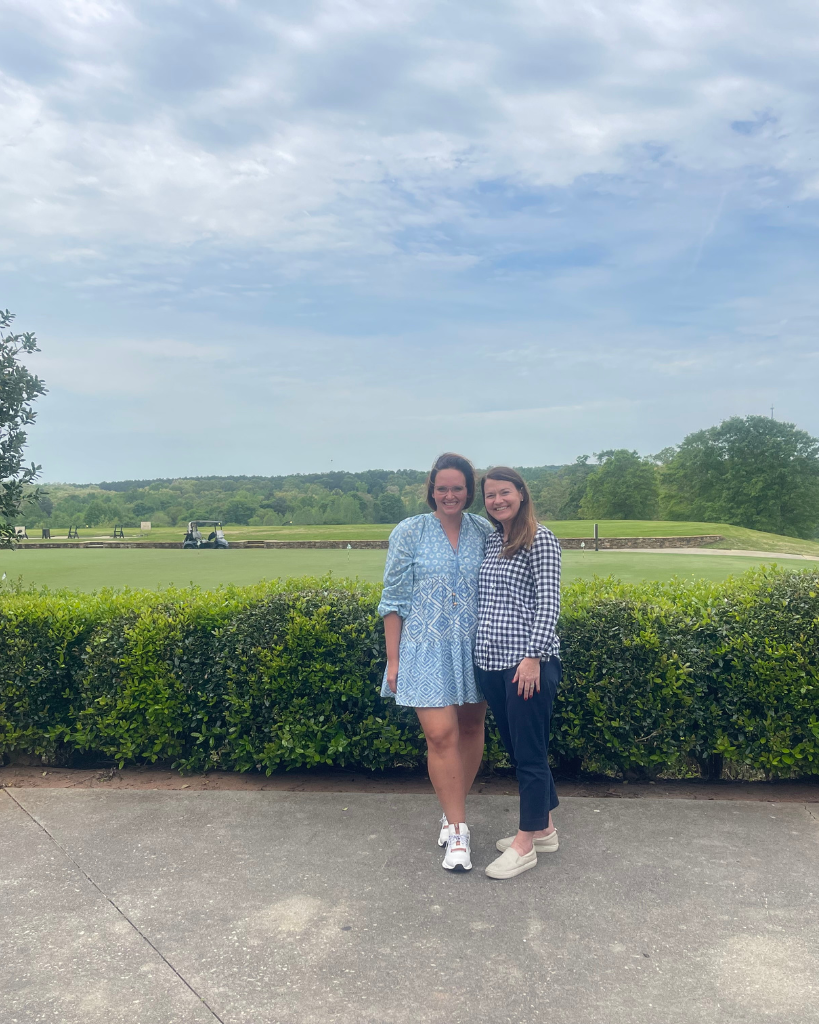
442, 738
533, 767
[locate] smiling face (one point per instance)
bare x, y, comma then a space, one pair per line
449, 492
502, 500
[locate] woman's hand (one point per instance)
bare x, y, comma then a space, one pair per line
392, 676
528, 677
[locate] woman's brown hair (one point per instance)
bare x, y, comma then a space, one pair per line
449, 460
521, 531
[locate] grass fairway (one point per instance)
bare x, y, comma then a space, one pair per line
88, 570
736, 537
151, 568
635, 567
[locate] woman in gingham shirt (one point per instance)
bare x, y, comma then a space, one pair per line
516, 657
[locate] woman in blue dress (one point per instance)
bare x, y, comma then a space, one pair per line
430, 611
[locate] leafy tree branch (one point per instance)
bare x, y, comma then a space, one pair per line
18, 390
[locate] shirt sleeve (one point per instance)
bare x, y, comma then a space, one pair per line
544, 560
483, 527
486, 528
399, 572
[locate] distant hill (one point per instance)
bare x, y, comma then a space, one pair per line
336, 497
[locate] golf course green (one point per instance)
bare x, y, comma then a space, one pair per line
88, 570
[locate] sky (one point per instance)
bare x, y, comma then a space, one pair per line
267, 238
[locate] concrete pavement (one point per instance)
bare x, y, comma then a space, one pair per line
145, 907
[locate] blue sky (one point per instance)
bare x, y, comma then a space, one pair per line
266, 238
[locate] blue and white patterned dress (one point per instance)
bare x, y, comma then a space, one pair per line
435, 591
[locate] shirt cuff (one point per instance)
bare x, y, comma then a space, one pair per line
387, 609
539, 648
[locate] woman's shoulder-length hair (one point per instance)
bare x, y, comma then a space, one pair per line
522, 530
451, 460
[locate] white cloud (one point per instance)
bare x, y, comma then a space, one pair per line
367, 230
308, 167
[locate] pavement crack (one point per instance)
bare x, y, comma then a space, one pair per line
121, 912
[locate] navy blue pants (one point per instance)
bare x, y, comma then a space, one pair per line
524, 727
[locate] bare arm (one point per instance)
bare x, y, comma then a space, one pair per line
396, 597
393, 624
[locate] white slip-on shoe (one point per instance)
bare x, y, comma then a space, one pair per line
458, 856
546, 844
510, 863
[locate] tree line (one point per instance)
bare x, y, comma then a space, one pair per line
754, 471
376, 496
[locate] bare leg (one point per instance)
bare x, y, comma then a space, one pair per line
522, 843
471, 740
446, 770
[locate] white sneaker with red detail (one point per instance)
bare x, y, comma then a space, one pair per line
458, 856
443, 835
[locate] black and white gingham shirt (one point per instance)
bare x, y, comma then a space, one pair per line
518, 603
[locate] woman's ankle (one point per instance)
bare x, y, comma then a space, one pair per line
522, 843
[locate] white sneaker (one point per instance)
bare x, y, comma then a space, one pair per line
458, 856
443, 835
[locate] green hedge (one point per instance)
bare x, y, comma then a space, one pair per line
286, 675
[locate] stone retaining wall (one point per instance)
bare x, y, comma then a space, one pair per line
568, 543
370, 545
239, 545
612, 543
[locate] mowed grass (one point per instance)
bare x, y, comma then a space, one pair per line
89, 570
736, 537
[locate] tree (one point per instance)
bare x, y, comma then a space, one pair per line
46, 505
278, 505
99, 512
563, 491
755, 472
18, 389
239, 511
624, 487
306, 517
388, 508
351, 510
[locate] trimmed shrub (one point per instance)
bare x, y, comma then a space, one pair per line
634, 689
147, 676
765, 673
301, 673
287, 675
42, 641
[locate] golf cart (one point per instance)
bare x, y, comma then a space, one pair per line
194, 538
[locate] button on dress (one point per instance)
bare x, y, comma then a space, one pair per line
435, 591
